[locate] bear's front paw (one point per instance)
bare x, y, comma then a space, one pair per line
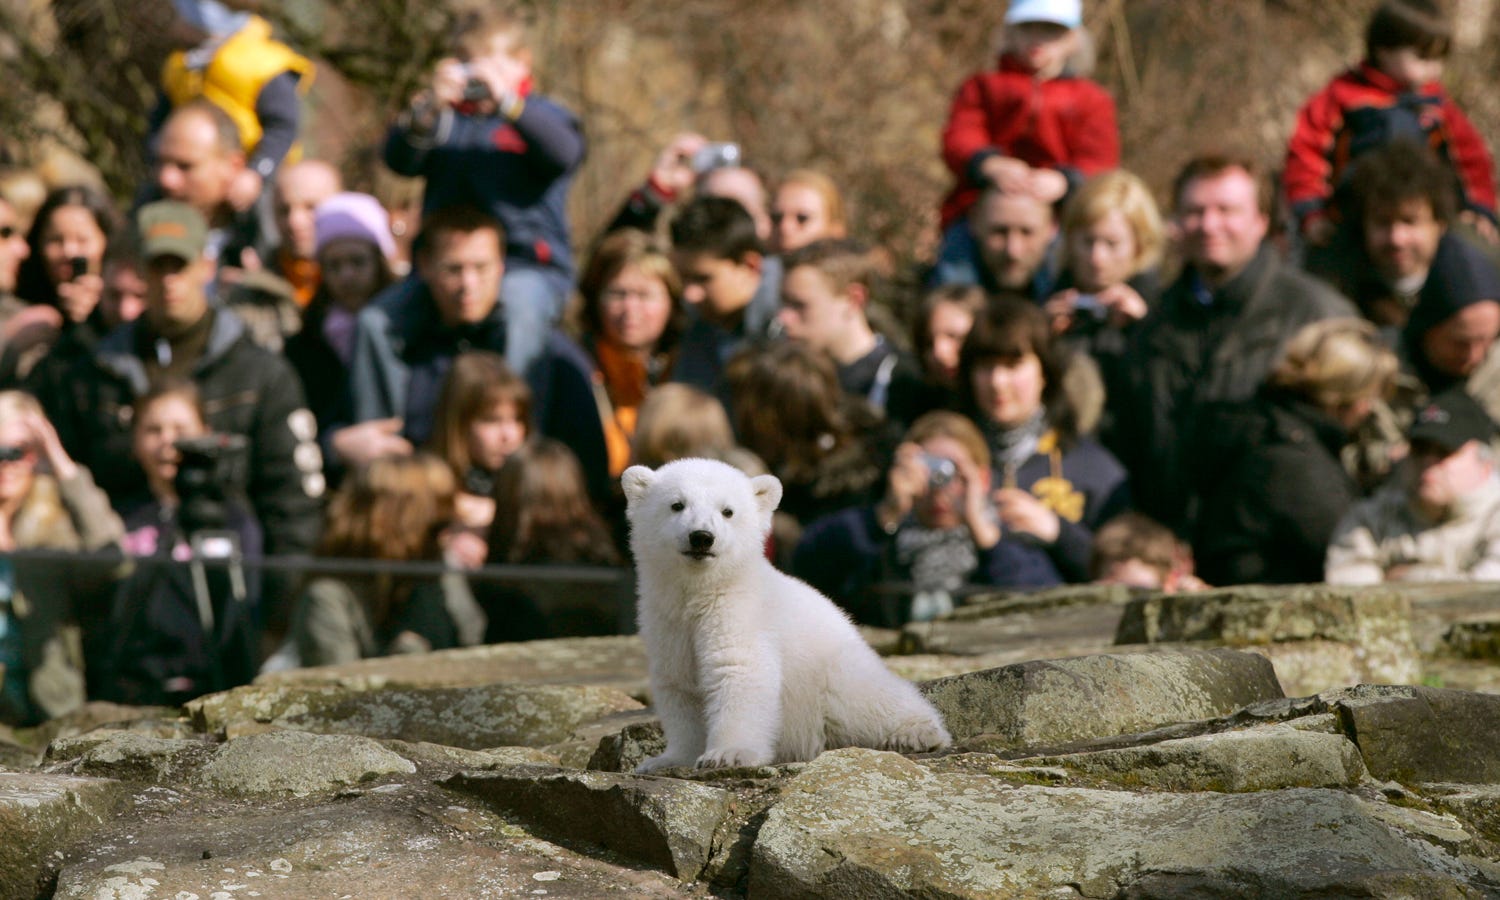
917, 737
660, 761
733, 757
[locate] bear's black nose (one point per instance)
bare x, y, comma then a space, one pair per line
700, 540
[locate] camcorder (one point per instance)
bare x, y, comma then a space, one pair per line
210, 475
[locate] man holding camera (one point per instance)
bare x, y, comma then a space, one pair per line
246, 390
480, 136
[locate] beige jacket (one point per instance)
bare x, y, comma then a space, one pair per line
1384, 533
52, 594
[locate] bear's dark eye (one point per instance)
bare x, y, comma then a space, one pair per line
679, 506
728, 513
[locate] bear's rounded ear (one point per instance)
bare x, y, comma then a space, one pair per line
636, 480
767, 492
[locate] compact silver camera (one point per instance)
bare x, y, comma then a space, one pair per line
716, 156
940, 470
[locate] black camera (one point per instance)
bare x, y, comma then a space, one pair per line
478, 481
209, 479
79, 266
1089, 307
475, 90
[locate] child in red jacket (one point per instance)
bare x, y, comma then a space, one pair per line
1028, 125
1392, 94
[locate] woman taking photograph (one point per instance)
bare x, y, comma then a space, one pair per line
1112, 240
68, 239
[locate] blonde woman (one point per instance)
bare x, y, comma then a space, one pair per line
1269, 518
807, 207
1112, 247
47, 502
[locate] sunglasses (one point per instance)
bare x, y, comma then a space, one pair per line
13, 453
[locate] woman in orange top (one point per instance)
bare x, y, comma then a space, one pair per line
630, 321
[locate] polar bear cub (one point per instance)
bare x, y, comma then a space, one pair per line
749, 666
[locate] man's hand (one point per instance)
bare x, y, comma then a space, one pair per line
673, 172
358, 444
448, 80
1007, 173
1482, 226
1048, 185
244, 189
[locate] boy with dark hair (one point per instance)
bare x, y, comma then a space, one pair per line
1392, 94
825, 300
728, 281
480, 135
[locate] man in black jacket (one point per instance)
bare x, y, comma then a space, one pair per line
1212, 340
245, 390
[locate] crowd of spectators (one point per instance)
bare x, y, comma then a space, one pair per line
269, 444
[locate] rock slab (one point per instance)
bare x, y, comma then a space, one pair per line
1054, 702
857, 823
661, 822
39, 813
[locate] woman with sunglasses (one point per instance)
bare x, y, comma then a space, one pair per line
807, 207
47, 502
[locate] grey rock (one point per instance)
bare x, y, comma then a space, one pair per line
629, 747
1320, 636
1258, 759
1067, 621
38, 814
1420, 734
869, 824
618, 662
661, 822
1477, 806
1054, 702
417, 842
297, 764
129, 756
442, 756
1474, 638
473, 718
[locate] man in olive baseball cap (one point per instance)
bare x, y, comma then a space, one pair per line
1441, 521
170, 228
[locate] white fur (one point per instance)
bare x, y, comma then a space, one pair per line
748, 665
